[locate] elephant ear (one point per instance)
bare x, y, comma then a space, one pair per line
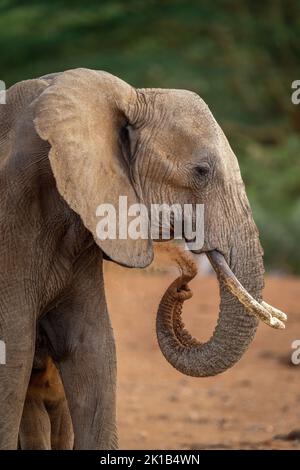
81, 114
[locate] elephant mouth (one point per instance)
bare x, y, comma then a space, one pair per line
263, 311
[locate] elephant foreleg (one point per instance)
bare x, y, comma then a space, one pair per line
35, 428
81, 340
89, 380
17, 331
62, 436
46, 421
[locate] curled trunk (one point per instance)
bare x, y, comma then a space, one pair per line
237, 322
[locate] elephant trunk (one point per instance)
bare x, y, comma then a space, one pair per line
241, 306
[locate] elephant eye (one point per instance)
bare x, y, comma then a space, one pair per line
202, 170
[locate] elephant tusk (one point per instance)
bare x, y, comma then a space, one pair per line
263, 311
275, 312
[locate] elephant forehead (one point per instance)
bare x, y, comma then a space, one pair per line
190, 112
181, 108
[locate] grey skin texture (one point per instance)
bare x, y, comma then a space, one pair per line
46, 421
69, 142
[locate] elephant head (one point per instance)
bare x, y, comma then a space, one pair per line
160, 146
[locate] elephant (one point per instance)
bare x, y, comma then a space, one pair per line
69, 142
46, 421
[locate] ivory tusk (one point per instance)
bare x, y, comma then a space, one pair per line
264, 312
275, 312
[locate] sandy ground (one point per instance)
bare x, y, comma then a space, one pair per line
158, 408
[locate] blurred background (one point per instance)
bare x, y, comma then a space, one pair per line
241, 57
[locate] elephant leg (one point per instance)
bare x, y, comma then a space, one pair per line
17, 330
46, 421
35, 426
88, 372
62, 436
81, 340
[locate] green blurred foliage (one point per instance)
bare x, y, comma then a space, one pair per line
240, 56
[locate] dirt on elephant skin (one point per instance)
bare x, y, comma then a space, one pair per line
255, 405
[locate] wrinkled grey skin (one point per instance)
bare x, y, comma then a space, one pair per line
46, 420
69, 142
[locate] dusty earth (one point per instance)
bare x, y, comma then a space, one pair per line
255, 405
